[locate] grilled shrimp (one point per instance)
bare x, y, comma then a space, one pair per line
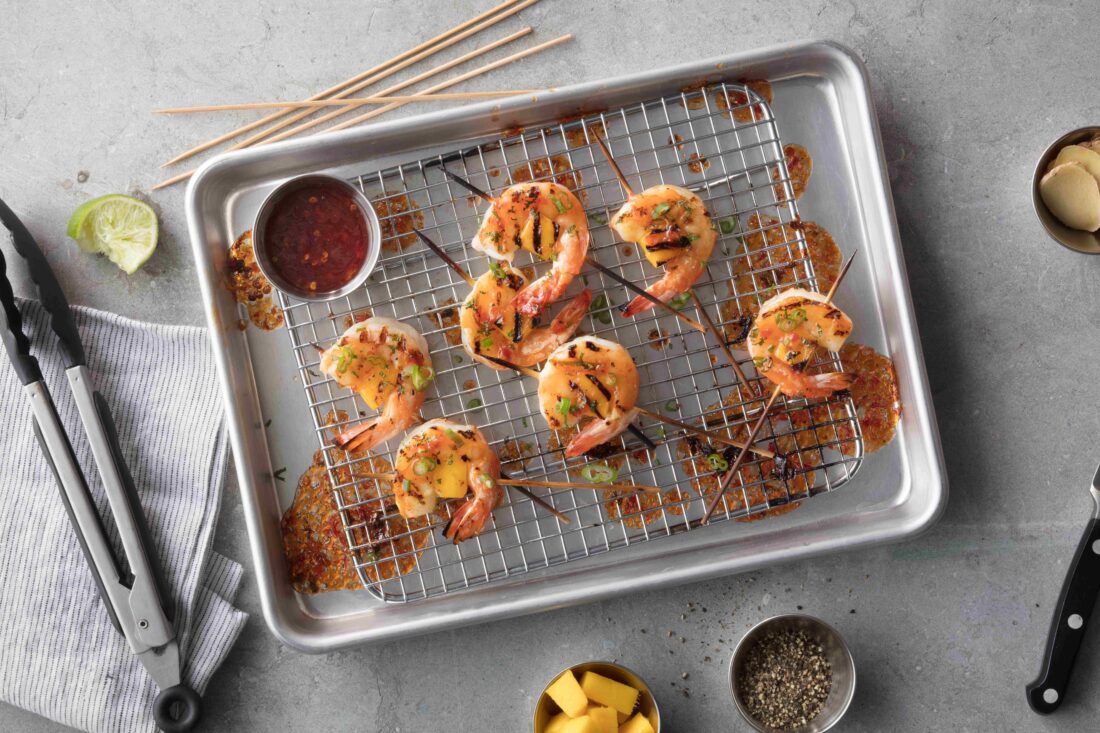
547, 220
388, 364
589, 377
787, 332
674, 230
446, 460
512, 337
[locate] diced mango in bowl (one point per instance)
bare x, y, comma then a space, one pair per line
568, 695
638, 724
596, 704
607, 691
606, 719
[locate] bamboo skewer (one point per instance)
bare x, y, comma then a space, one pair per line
638, 290
445, 257
702, 432
546, 483
309, 124
449, 83
417, 53
356, 102
728, 476
389, 107
614, 166
750, 386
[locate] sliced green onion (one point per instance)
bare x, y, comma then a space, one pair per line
661, 209
421, 376
406, 484
488, 480
455, 437
473, 404
486, 343
424, 466
717, 462
599, 473
679, 301
498, 270
726, 225
559, 205
456, 358
598, 218
564, 405
599, 309
672, 406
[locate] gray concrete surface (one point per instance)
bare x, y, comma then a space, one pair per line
947, 629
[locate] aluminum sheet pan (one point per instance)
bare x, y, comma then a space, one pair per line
822, 102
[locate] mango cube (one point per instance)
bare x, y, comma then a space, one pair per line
606, 719
556, 724
609, 692
638, 724
583, 724
568, 695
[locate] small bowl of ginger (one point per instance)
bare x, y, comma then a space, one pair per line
1066, 190
597, 697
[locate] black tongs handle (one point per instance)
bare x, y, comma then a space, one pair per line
15, 341
49, 290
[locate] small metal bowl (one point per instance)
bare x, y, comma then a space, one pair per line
647, 704
1075, 239
374, 232
835, 648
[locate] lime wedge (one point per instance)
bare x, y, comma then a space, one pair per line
119, 226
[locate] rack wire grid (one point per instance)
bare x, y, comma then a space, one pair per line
720, 141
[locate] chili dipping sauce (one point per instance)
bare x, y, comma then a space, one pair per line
317, 237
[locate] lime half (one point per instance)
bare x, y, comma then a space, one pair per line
119, 226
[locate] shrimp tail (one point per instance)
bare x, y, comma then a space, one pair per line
467, 521
570, 316
680, 275
598, 432
536, 297
823, 385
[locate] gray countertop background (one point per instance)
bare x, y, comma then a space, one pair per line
946, 629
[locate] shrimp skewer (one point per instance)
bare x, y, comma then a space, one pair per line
706, 434
447, 460
511, 337
664, 303
388, 364
589, 380
546, 219
674, 231
724, 483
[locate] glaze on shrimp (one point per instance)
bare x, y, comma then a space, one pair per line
674, 230
547, 220
787, 333
512, 337
447, 460
593, 381
388, 364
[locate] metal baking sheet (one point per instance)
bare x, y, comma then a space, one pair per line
821, 102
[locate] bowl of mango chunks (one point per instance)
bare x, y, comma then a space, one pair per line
597, 697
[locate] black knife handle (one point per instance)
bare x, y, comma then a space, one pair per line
49, 290
1067, 628
15, 341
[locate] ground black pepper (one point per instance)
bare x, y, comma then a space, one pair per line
785, 680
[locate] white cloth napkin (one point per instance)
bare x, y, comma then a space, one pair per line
59, 655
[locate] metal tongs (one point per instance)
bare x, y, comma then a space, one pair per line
138, 601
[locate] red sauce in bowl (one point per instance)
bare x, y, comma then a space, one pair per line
316, 238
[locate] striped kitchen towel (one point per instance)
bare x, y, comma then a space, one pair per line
59, 655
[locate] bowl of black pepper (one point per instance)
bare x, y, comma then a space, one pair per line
792, 673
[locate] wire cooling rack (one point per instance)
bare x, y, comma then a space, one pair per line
720, 141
